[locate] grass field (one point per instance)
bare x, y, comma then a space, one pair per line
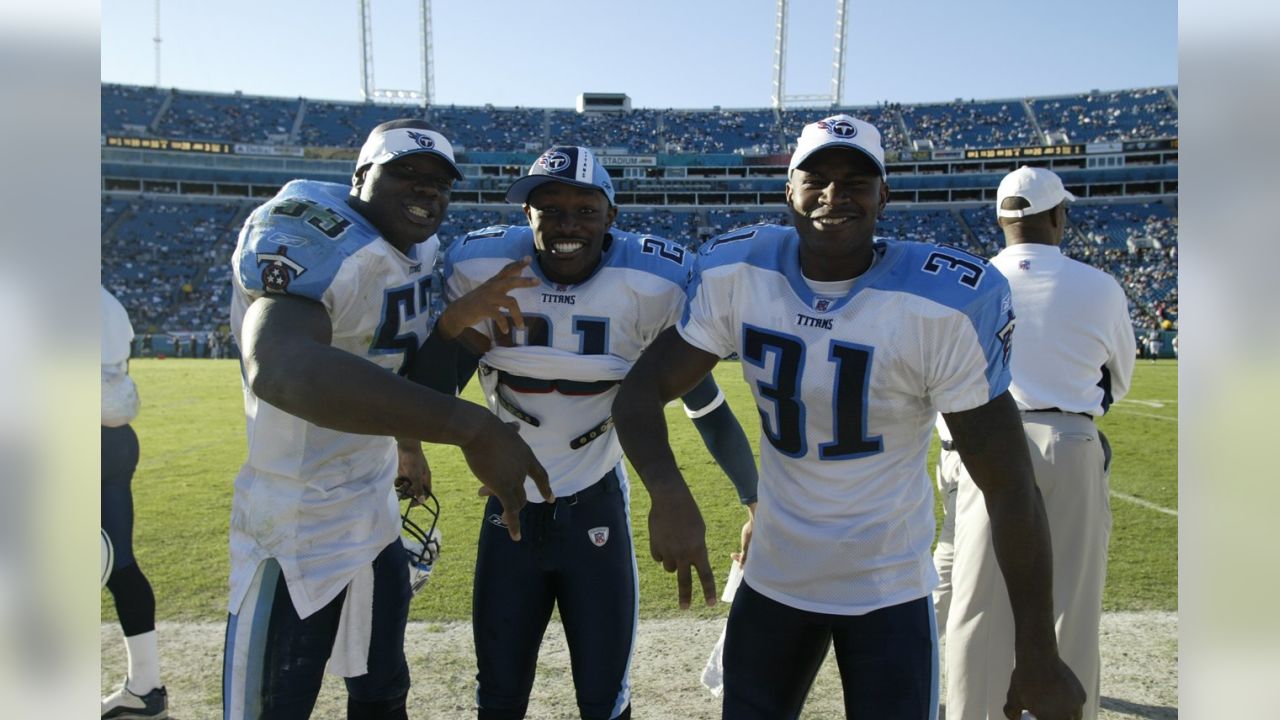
191, 430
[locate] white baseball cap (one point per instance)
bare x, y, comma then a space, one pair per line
838, 131
1040, 187
568, 164
383, 146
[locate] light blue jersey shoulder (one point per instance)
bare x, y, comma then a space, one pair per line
761, 245
959, 280
943, 274
650, 254
646, 253
296, 242
509, 242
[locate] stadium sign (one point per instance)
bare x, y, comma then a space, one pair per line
192, 146
627, 160
1024, 152
274, 150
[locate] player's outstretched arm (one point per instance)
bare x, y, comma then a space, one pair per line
290, 364
993, 446
669, 368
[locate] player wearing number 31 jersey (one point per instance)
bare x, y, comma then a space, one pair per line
840, 378
850, 345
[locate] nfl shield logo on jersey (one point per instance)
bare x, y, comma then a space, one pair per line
1024, 264
599, 536
822, 304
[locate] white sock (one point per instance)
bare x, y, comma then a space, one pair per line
144, 663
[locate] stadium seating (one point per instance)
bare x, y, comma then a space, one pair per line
1094, 117
1101, 117
971, 124
166, 256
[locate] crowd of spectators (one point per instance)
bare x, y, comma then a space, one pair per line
961, 124
1091, 117
1108, 117
168, 259
130, 109
231, 118
156, 253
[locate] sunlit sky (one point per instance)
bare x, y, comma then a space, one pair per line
663, 53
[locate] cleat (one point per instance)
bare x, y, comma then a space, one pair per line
123, 704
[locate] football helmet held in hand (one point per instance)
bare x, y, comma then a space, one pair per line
421, 540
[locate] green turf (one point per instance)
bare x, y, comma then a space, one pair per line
191, 430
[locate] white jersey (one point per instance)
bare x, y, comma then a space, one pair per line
319, 501
562, 371
1075, 340
848, 388
119, 394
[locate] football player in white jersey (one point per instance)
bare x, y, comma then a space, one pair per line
850, 345
333, 291
602, 296
141, 695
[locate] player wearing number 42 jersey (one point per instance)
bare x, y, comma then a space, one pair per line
850, 346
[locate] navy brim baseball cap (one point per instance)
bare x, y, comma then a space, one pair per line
568, 164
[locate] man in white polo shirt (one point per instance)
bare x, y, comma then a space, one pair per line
1072, 358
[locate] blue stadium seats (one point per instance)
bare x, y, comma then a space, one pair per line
167, 256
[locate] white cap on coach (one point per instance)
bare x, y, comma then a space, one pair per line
838, 131
387, 145
1040, 187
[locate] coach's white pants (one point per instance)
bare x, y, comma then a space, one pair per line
1068, 460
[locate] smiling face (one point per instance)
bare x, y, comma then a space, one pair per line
835, 197
406, 198
569, 226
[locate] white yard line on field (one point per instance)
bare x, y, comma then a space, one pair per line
1123, 411
1144, 503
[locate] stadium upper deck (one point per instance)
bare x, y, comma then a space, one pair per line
182, 169
1138, 114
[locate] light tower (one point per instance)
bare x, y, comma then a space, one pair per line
368, 90
156, 39
780, 98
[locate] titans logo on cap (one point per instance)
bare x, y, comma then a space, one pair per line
840, 128
423, 141
554, 161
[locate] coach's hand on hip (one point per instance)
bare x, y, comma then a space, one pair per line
1047, 689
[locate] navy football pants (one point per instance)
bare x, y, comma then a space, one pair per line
119, 460
888, 659
274, 661
564, 557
